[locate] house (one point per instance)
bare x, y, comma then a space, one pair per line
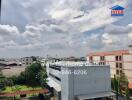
117, 10
26, 61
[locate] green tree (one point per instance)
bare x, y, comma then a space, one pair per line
21, 79
34, 58
124, 89
2, 81
32, 74
120, 85
42, 75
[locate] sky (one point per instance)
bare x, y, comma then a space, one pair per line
63, 27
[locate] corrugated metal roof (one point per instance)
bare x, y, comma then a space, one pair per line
54, 84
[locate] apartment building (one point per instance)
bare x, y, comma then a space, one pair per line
26, 61
120, 61
79, 81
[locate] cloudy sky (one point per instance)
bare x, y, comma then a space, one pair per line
63, 27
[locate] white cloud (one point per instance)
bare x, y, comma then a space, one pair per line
8, 30
117, 36
130, 35
51, 26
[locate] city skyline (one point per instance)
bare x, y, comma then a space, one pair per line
63, 27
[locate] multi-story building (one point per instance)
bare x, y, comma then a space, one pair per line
26, 61
120, 61
79, 81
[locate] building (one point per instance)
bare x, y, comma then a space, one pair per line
26, 61
117, 11
120, 61
79, 81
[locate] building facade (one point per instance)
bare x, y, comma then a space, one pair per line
79, 81
120, 61
26, 61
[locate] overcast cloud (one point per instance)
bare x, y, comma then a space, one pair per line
41, 27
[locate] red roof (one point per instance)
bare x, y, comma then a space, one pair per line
117, 52
24, 92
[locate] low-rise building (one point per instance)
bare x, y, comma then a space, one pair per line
26, 61
120, 61
79, 81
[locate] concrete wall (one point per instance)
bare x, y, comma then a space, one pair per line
128, 66
13, 71
127, 57
110, 61
65, 89
96, 58
96, 80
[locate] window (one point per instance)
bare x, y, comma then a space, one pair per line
55, 67
120, 58
102, 58
120, 65
116, 65
91, 59
55, 77
116, 58
120, 71
117, 72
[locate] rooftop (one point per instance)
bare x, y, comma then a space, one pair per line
117, 52
75, 64
95, 95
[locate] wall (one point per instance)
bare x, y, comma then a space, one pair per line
111, 61
13, 71
97, 80
128, 67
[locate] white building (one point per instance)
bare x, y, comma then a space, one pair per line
26, 61
79, 81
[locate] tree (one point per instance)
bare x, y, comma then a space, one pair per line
34, 58
21, 79
35, 75
120, 85
31, 74
42, 75
2, 81
124, 86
